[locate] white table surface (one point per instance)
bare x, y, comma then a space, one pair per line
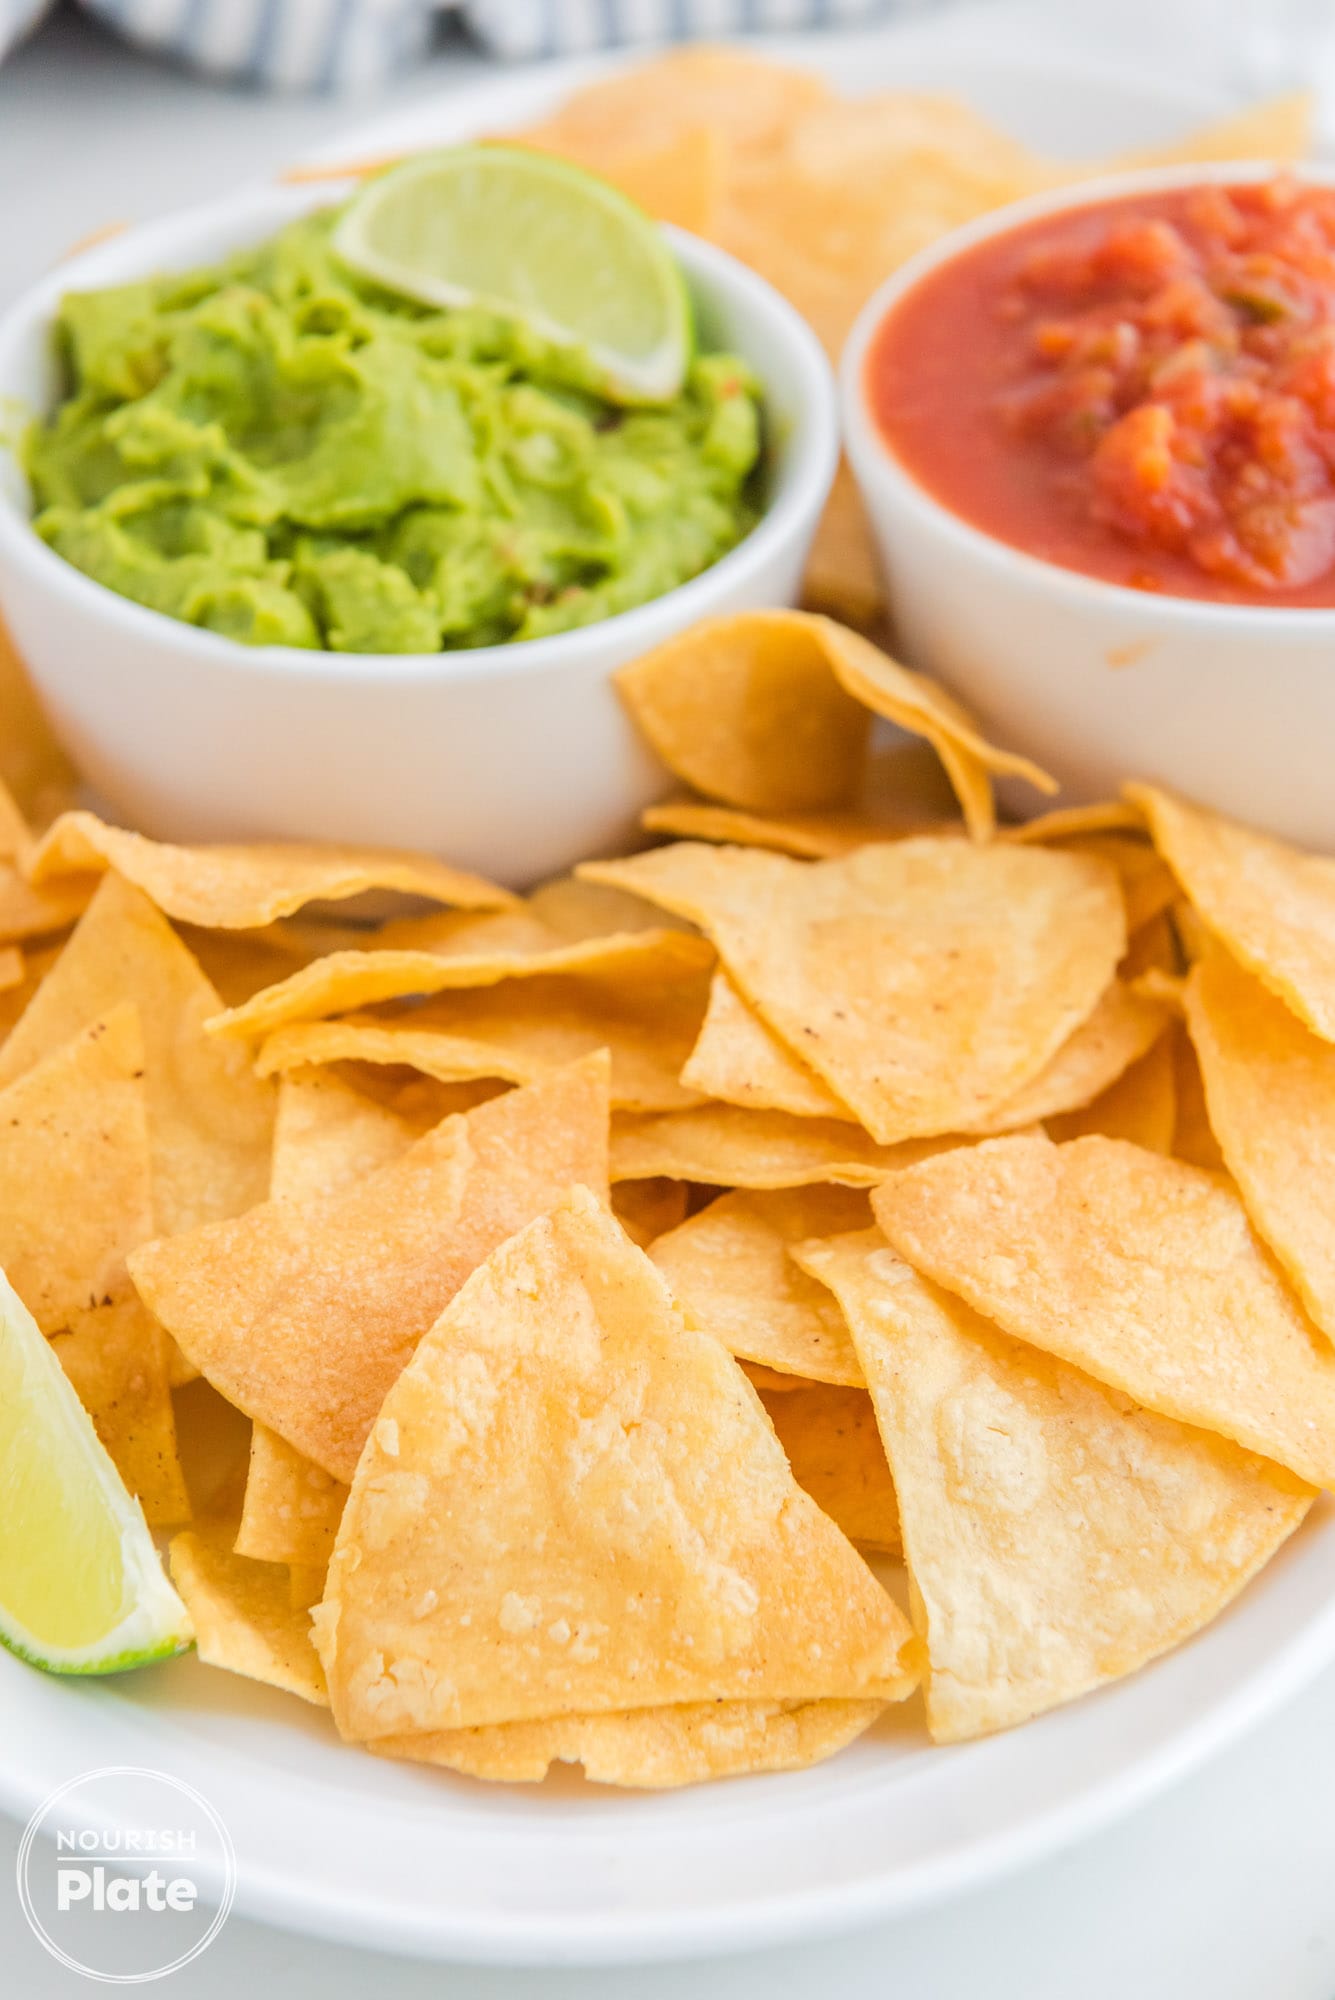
1222, 1890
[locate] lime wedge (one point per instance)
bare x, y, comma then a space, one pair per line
81, 1588
535, 239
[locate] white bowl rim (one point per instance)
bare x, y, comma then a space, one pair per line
139, 250
874, 460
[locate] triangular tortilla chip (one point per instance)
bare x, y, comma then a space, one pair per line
836, 1454
730, 1265
292, 1507
1193, 1135
210, 1119
1056, 1536
724, 1147
522, 1029
926, 980
116, 1355
33, 766
1270, 1086
240, 888
1122, 1027
1141, 1270
1141, 1106
29, 910
75, 1181
738, 1060
243, 1619
806, 836
573, 1502
576, 910
1148, 885
350, 979
1270, 904
328, 1136
1070, 822
649, 1749
304, 1314
744, 708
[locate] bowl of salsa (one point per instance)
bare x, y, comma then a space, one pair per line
1095, 433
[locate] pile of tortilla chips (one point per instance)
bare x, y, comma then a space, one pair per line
533, 1316
826, 195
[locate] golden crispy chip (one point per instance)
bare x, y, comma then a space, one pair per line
573, 1502
807, 836
1153, 948
649, 1749
1147, 884
328, 1136
647, 1209
1123, 1026
729, 1266
305, 1585
292, 1507
1270, 904
576, 910
843, 576
1056, 1536
116, 1357
723, 1146
1279, 128
14, 999
238, 964
305, 1313
1270, 1087
770, 1382
239, 888
926, 981
75, 1181
33, 767
1193, 1135
744, 708
213, 1443
13, 970
521, 1029
738, 1060
679, 182
352, 979
1141, 1106
241, 1613
836, 1454
29, 910
1072, 822
210, 1120
1139, 1269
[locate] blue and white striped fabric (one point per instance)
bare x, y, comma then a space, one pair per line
357, 44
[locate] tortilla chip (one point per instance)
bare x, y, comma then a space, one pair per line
1153, 948
353, 979
806, 836
240, 1611
75, 1184
1141, 1106
577, 910
1073, 822
213, 1444
678, 182
1123, 1026
836, 1454
926, 981
722, 1146
304, 1314
522, 1029
738, 1060
729, 1266
650, 1749
1148, 886
30, 910
292, 1507
241, 888
1270, 1087
647, 1210
1138, 1269
116, 1357
1272, 906
744, 709
1279, 128
1057, 1537
239, 964
33, 767
573, 1502
328, 1136
210, 1120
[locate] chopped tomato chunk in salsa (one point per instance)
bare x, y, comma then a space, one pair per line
1142, 389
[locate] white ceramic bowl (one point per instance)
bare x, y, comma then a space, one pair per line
515, 760
1232, 704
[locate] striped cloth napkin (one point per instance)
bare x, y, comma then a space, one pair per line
358, 44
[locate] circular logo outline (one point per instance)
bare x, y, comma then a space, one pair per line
39, 1930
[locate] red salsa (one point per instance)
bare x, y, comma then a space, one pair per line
1141, 389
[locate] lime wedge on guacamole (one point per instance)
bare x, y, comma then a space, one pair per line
538, 240
82, 1590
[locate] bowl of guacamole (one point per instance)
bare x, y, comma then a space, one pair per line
289, 556
274, 449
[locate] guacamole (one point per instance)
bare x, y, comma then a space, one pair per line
280, 452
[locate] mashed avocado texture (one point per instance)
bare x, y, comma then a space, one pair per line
281, 453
